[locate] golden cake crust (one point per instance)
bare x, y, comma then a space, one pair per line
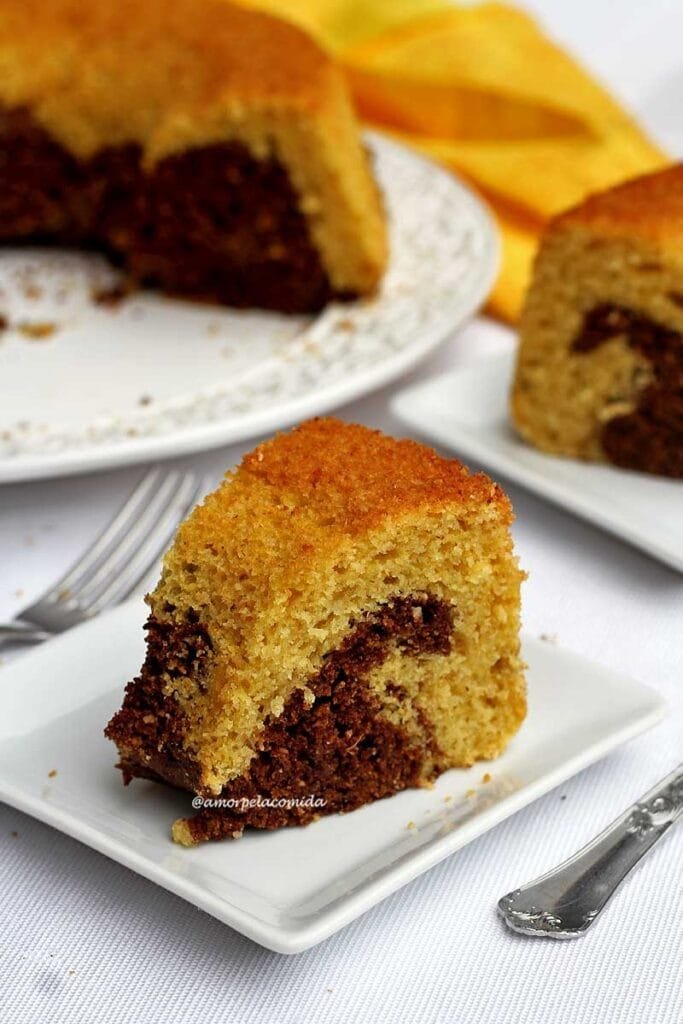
648, 208
188, 55
367, 476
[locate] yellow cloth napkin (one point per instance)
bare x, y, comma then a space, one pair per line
482, 89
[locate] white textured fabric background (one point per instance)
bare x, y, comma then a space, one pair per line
84, 940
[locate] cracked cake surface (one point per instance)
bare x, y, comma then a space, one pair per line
600, 366
209, 149
337, 622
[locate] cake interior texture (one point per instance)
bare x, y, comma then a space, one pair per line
600, 365
339, 620
207, 149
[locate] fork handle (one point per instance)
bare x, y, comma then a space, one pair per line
564, 903
19, 632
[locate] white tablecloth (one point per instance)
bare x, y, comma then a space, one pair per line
82, 939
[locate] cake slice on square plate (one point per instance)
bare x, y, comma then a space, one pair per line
337, 622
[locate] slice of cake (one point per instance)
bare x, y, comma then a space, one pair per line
209, 149
337, 622
600, 367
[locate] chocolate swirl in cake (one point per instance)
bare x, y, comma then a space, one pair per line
650, 438
339, 750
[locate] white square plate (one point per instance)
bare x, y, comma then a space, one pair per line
292, 888
467, 410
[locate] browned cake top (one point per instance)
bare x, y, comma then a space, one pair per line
351, 476
649, 207
123, 62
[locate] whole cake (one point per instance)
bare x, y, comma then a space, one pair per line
600, 367
209, 149
337, 622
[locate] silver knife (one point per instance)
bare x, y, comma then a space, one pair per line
565, 902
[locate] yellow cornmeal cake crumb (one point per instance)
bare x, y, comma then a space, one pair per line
338, 621
600, 367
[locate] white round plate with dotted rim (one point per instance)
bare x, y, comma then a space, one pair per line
85, 386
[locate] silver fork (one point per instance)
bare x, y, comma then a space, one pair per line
113, 566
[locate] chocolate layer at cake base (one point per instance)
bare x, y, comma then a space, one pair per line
212, 223
334, 754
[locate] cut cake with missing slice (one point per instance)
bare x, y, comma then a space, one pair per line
209, 149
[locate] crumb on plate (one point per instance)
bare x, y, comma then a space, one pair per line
37, 330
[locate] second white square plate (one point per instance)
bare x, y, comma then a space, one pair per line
467, 411
292, 888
